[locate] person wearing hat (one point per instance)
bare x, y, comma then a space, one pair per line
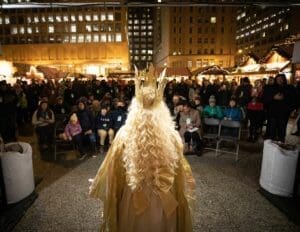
212, 110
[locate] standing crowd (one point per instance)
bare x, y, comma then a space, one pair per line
93, 111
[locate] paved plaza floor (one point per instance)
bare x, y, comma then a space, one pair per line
227, 194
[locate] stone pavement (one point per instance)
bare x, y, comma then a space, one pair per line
227, 195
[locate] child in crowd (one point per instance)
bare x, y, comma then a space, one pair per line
72, 133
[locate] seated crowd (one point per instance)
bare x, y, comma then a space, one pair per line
94, 111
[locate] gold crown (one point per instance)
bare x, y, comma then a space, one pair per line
151, 91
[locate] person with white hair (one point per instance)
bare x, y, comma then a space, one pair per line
145, 182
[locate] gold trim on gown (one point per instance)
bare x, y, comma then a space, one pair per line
144, 209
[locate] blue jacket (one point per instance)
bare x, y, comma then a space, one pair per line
233, 114
104, 122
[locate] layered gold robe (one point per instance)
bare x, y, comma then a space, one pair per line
143, 210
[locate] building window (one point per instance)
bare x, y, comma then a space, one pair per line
29, 30
191, 19
198, 63
7, 21
191, 40
88, 28
110, 38
103, 38
110, 16
66, 39
213, 19
58, 18
80, 38
73, 39
205, 51
103, 17
117, 16
190, 64
80, 17
73, 18
221, 51
37, 30
212, 51
191, 30
73, 28
14, 30
118, 37
222, 30
199, 30
206, 40
95, 17
199, 40
88, 38
50, 29
212, 40
66, 18
88, 17
50, 18
286, 27
199, 51
95, 28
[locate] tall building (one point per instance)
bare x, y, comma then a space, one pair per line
77, 39
259, 29
140, 34
194, 36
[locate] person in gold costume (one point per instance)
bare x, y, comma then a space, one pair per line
145, 182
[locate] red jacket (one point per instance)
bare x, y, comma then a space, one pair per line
255, 106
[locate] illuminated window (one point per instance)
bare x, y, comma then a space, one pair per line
213, 19
150, 51
58, 18
28, 19
150, 33
110, 38
14, 30
286, 27
66, 18
7, 21
136, 33
51, 29
29, 30
66, 39
190, 64
118, 37
263, 34
73, 28
95, 17
136, 21
96, 38
136, 28
143, 51
88, 17
43, 18
103, 17
80, 38
95, 27
110, 16
103, 38
129, 21
22, 30
37, 30
80, 17
73, 39
88, 28
50, 18
88, 38
73, 18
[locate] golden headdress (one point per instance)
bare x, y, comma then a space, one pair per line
151, 91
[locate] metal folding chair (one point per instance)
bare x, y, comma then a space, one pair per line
211, 131
229, 131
